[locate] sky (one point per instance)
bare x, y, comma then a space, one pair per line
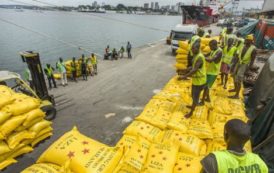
111, 2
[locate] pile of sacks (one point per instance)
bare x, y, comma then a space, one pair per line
22, 125
159, 140
78, 67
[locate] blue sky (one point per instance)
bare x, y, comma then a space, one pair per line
112, 2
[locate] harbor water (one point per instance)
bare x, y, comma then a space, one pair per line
42, 29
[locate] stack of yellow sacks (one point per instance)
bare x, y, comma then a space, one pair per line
159, 140
181, 55
78, 67
22, 125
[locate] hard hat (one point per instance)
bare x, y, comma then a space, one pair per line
250, 37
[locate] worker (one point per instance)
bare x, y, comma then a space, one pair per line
234, 158
74, 69
193, 40
208, 33
229, 52
94, 63
121, 52
198, 73
84, 68
213, 68
129, 50
229, 34
107, 53
114, 54
28, 77
245, 61
240, 41
62, 70
49, 73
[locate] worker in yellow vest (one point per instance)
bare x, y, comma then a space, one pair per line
229, 52
229, 34
245, 60
94, 63
235, 159
193, 40
49, 73
74, 69
198, 74
240, 42
213, 68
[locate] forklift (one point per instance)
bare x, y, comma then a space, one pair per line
39, 88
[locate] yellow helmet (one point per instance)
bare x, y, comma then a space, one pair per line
250, 37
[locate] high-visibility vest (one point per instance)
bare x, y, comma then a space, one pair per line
199, 77
247, 57
73, 66
231, 163
212, 67
240, 44
49, 71
192, 41
61, 67
228, 54
93, 60
228, 36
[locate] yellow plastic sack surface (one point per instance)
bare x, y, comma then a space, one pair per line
205, 41
218, 131
40, 126
187, 164
215, 146
102, 160
189, 144
40, 138
32, 115
11, 125
183, 44
4, 115
67, 146
136, 156
201, 129
161, 158
139, 128
181, 57
126, 142
21, 151
178, 122
200, 113
6, 163
57, 76
4, 90
163, 100
182, 51
4, 148
44, 131
158, 118
5, 100
43, 168
206, 50
15, 139
180, 66
28, 125
23, 105
125, 168
222, 106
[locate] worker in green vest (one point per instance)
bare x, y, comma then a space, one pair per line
94, 63
74, 69
234, 159
198, 74
229, 34
240, 41
213, 68
229, 52
84, 67
245, 61
193, 40
63, 71
49, 73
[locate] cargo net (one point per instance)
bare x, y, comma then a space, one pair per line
22, 125
159, 140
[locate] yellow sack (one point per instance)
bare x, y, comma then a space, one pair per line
158, 118
222, 106
4, 115
45, 130
201, 129
4, 148
40, 126
180, 66
161, 158
181, 57
57, 76
5, 100
6, 163
126, 142
4, 90
183, 44
178, 122
40, 138
215, 146
205, 40
139, 128
43, 168
28, 125
103, 160
21, 151
15, 139
200, 113
23, 105
11, 125
67, 146
160, 100
136, 156
189, 144
32, 115
206, 50
125, 168
187, 164
218, 131
182, 51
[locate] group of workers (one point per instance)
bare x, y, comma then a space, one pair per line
234, 55
115, 55
74, 65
